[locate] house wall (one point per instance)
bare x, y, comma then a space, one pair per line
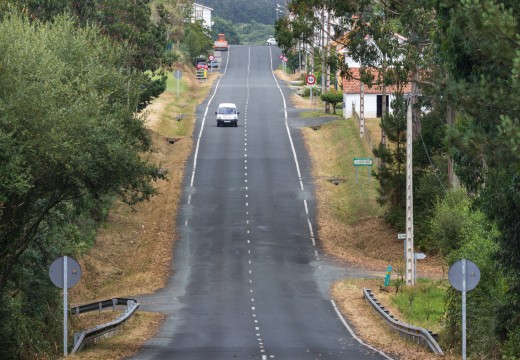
370, 104
201, 12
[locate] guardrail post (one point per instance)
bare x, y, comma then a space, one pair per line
100, 305
114, 303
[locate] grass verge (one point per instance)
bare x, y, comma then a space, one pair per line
133, 248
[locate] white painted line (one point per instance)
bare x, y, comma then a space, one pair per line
189, 199
310, 227
306, 207
204, 121
354, 335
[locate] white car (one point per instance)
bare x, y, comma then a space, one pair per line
227, 114
272, 41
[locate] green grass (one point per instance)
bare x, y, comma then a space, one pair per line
171, 84
423, 304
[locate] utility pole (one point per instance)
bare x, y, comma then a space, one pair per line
409, 251
361, 110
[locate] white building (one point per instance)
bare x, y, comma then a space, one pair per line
372, 98
201, 12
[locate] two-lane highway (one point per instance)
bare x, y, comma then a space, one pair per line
246, 262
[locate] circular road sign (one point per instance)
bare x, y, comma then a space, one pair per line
211, 58
285, 59
177, 74
73, 272
472, 275
281, 56
311, 79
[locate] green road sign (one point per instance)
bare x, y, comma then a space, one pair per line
363, 162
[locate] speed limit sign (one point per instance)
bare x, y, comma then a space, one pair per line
211, 58
311, 80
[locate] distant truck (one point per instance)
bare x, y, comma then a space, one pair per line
221, 43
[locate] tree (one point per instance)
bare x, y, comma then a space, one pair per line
197, 41
67, 126
223, 26
332, 97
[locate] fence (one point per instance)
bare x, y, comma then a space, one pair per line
106, 330
412, 333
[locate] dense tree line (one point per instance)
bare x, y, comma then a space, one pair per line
462, 60
74, 76
239, 11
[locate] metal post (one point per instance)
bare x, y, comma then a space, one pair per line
410, 266
463, 309
65, 306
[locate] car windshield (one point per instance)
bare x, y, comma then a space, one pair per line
226, 110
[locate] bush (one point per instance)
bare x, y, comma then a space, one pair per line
316, 91
465, 233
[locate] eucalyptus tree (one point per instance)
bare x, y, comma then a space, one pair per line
480, 43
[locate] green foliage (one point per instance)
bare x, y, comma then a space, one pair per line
423, 304
500, 201
228, 27
70, 140
239, 11
455, 221
332, 97
462, 231
196, 41
254, 32
392, 173
316, 91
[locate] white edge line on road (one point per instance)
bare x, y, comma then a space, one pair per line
293, 150
355, 336
204, 121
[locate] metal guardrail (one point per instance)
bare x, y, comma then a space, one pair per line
412, 333
105, 330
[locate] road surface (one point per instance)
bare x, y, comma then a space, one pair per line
250, 282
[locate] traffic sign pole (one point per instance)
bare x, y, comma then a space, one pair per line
459, 279
65, 307
464, 309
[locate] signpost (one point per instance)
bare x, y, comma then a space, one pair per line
387, 276
363, 162
285, 59
65, 273
311, 80
177, 74
464, 275
211, 58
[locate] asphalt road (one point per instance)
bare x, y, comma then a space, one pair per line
250, 281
